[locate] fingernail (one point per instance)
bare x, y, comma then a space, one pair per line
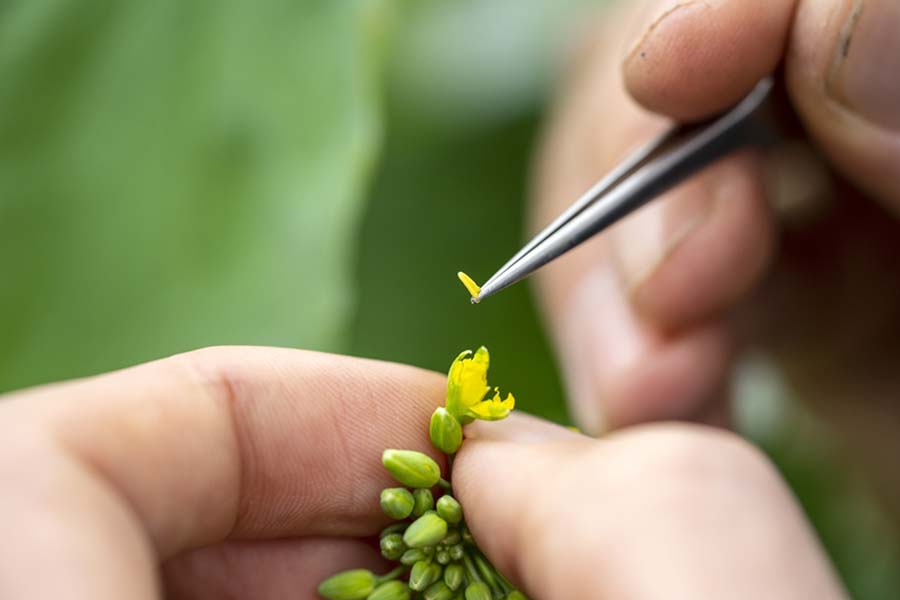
599, 337
521, 428
643, 241
866, 72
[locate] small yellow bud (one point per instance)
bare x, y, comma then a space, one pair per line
427, 530
445, 431
397, 503
449, 509
355, 584
412, 469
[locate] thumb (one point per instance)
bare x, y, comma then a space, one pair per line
646, 513
842, 70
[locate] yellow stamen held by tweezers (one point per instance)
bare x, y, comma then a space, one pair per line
471, 286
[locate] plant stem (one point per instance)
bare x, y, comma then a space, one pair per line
487, 571
444, 484
391, 575
470, 568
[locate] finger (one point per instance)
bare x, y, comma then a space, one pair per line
223, 443
663, 511
264, 570
653, 290
842, 70
690, 59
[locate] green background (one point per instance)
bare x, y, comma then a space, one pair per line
312, 174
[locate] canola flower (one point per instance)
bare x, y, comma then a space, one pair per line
437, 557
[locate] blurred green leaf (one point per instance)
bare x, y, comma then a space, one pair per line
177, 174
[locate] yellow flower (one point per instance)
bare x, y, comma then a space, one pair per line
495, 408
467, 381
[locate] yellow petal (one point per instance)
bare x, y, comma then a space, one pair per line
471, 286
467, 381
495, 408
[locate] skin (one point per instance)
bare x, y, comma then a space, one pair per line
251, 472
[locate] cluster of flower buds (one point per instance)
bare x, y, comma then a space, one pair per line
438, 558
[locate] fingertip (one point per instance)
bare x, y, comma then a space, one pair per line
695, 58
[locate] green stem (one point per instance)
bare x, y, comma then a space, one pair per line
487, 571
444, 484
470, 568
391, 575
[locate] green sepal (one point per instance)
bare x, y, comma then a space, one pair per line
427, 530
423, 574
397, 503
452, 538
355, 584
454, 575
392, 590
438, 591
449, 509
443, 557
413, 555
412, 469
424, 501
456, 552
445, 431
392, 546
478, 591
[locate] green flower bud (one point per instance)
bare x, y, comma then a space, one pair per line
456, 552
413, 555
452, 538
478, 591
412, 469
438, 591
427, 530
445, 431
355, 584
467, 535
392, 546
423, 574
443, 557
395, 528
397, 503
424, 502
449, 509
516, 595
453, 576
392, 590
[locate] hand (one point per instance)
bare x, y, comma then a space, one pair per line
248, 472
649, 318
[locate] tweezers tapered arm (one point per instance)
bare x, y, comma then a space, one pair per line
668, 160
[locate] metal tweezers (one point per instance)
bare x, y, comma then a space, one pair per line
673, 156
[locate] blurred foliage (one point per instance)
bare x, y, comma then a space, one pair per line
178, 174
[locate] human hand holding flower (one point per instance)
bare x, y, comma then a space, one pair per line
254, 473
